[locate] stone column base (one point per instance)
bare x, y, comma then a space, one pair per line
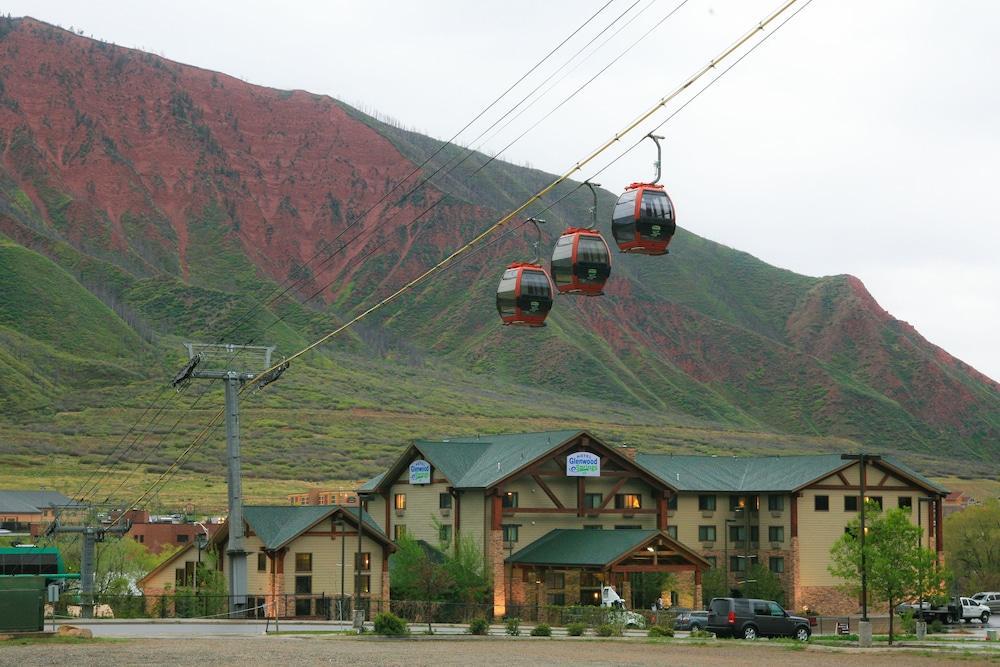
865, 634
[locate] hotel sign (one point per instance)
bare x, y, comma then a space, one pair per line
420, 472
583, 464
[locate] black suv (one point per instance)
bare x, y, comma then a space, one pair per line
750, 618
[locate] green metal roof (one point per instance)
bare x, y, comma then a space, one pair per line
581, 547
481, 461
276, 525
753, 473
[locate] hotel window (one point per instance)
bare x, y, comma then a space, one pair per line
905, 503
736, 564
303, 585
737, 503
362, 561
776, 564
557, 599
398, 531
593, 527
509, 532
556, 580
628, 501
633, 527
706, 533
366, 584
737, 533
850, 503
399, 501
672, 532
672, 502
444, 534
262, 562
776, 533
776, 503
706, 503
303, 562
444, 501
593, 500
821, 503
509, 500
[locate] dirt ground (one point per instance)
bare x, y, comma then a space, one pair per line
481, 652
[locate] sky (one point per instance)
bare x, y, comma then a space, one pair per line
863, 138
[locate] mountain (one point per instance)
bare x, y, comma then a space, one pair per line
144, 202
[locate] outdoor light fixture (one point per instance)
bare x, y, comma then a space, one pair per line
650, 549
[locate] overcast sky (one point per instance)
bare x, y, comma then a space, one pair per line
863, 138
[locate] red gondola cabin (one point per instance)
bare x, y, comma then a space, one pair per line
581, 262
644, 220
524, 295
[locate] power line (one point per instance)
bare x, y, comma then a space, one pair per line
466, 248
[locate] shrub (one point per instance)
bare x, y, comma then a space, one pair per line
576, 629
390, 625
513, 626
700, 634
908, 622
935, 626
607, 630
660, 631
541, 630
479, 626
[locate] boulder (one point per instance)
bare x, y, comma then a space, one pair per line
71, 631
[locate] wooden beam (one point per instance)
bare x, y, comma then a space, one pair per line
794, 516
545, 487
611, 494
673, 567
838, 487
497, 513
511, 511
840, 474
581, 493
882, 481
661, 513
630, 474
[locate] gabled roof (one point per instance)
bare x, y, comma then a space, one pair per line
480, 461
277, 525
757, 473
166, 562
16, 501
579, 547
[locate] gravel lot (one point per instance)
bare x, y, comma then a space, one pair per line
478, 651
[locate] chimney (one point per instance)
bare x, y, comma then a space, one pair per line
628, 451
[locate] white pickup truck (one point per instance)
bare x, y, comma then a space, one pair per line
960, 609
630, 619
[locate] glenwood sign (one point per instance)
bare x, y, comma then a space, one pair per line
420, 472
583, 464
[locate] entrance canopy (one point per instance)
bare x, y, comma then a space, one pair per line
609, 550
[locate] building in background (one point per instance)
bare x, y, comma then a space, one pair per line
346, 496
30, 511
155, 533
531, 500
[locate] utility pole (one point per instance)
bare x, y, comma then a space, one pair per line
219, 362
863, 461
88, 562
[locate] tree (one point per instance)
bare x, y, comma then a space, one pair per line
713, 585
648, 587
764, 584
972, 546
894, 560
119, 562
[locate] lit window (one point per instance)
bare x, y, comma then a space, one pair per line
399, 501
362, 561
628, 501
398, 531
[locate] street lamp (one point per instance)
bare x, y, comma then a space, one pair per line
201, 541
863, 460
726, 549
920, 574
357, 560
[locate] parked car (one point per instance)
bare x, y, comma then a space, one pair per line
750, 618
960, 609
611, 599
990, 599
691, 620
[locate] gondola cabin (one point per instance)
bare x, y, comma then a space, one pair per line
581, 262
524, 295
644, 220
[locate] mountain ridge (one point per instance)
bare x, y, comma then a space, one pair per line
182, 198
